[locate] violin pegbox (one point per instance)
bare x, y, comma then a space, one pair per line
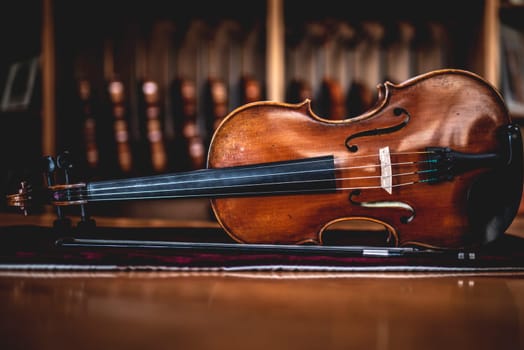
25, 198
58, 190
49, 167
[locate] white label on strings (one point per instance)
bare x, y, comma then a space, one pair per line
385, 170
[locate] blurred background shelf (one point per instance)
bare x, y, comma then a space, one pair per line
137, 89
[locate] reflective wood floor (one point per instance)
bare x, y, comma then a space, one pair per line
260, 311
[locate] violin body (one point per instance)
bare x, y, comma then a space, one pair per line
446, 109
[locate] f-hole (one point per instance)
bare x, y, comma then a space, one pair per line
397, 111
404, 219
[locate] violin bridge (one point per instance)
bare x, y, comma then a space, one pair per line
386, 178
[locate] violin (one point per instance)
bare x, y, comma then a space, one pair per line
331, 96
192, 150
436, 161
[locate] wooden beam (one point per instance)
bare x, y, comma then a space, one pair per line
48, 80
275, 51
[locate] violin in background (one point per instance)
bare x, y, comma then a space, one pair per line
398, 51
331, 97
87, 106
188, 150
151, 150
150, 97
328, 98
357, 96
119, 155
436, 161
216, 91
368, 69
116, 92
430, 47
299, 63
251, 86
191, 151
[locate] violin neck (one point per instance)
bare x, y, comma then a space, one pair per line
309, 175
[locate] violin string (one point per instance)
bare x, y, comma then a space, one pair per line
259, 184
192, 180
231, 194
91, 195
92, 192
175, 180
145, 194
190, 174
351, 157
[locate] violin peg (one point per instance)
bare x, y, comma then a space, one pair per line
64, 161
48, 164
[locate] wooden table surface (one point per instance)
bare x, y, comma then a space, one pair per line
260, 311
206, 310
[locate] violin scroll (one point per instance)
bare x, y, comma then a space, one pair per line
22, 199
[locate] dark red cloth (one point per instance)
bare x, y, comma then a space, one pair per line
26, 247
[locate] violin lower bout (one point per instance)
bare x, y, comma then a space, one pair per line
411, 216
